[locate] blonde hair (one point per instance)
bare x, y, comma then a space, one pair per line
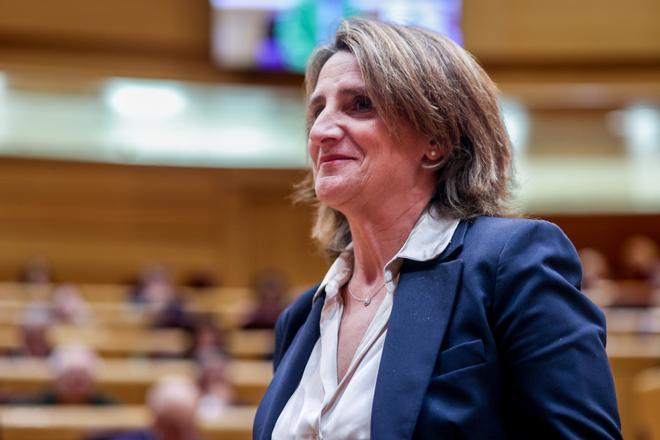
425, 80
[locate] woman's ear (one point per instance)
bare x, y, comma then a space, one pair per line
432, 156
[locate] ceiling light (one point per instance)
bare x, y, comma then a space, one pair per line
145, 100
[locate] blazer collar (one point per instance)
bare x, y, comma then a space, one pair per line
422, 309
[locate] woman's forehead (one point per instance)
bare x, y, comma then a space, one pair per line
340, 74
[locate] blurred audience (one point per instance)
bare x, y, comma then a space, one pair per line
270, 293
73, 368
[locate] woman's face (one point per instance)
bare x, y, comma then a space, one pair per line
357, 164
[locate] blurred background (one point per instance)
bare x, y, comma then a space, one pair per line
148, 150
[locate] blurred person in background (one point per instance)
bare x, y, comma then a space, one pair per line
156, 295
270, 290
640, 259
596, 280
216, 391
202, 279
73, 369
34, 325
440, 317
152, 285
68, 306
173, 406
36, 271
207, 339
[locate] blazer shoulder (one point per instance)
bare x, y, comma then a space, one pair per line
496, 232
509, 224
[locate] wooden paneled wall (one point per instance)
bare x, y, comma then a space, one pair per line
562, 31
101, 222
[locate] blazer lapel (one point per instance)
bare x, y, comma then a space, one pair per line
293, 364
422, 308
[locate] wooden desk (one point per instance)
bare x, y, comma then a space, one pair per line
73, 423
647, 393
110, 342
125, 342
120, 314
626, 320
629, 355
118, 293
102, 314
129, 380
251, 344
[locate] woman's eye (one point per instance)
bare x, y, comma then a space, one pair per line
363, 104
314, 113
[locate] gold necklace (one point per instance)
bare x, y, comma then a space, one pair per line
365, 301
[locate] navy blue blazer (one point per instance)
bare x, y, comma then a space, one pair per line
491, 340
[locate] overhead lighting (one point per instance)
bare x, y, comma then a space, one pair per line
3, 117
639, 124
145, 100
3, 83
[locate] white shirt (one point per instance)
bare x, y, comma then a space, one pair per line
322, 408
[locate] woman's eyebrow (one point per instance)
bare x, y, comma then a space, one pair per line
343, 92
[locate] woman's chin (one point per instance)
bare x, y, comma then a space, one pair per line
333, 192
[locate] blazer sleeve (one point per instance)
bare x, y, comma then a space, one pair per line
280, 332
552, 338
289, 322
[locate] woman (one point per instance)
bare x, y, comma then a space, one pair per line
438, 319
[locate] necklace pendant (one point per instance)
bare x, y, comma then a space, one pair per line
366, 302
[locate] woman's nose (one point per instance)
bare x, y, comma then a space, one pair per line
325, 128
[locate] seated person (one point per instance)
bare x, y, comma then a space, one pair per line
150, 283
69, 306
270, 289
36, 270
596, 280
173, 405
155, 294
207, 338
73, 368
216, 392
640, 259
34, 326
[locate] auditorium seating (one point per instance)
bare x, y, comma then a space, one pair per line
74, 423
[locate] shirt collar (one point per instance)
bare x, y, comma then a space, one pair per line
427, 239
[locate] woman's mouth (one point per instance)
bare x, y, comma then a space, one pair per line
333, 159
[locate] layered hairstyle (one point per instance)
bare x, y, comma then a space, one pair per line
416, 77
